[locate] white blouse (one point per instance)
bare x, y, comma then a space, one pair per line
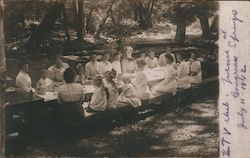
183, 75
46, 84
168, 84
98, 100
195, 67
71, 92
92, 69
23, 81
55, 73
128, 66
106, 66
141, 86
151, 63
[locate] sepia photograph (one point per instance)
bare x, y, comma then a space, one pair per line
109, 78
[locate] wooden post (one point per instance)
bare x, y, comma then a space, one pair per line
2, 125
2, 40
2, 68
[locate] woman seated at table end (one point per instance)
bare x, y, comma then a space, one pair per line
23, 80
169, 83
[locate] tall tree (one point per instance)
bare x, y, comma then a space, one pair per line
142, 12
99, 29
79, 18
183, 14
65, 23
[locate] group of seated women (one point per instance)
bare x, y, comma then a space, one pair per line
180, 73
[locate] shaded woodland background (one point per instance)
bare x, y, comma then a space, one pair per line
64, 26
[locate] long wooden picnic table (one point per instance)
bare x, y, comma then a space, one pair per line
33, 108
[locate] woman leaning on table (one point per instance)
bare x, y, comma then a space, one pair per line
169, 83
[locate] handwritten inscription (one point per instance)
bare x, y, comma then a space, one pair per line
242, 116
234, 40
234, 78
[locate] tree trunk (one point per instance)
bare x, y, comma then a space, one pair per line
88, 20
79, 22
144, 13
204, 26
43, 30
180, 35
65, 24
99, 30
2, 39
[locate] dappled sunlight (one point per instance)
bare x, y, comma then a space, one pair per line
186, 132
189, 149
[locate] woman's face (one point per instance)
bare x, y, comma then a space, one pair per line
143, 55
25, 68
152, 54
44, 74
105, 57
179, 58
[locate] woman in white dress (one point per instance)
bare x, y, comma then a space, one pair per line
141, 82
195, 70
169, 83
99, 98
23, 80
182, 73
